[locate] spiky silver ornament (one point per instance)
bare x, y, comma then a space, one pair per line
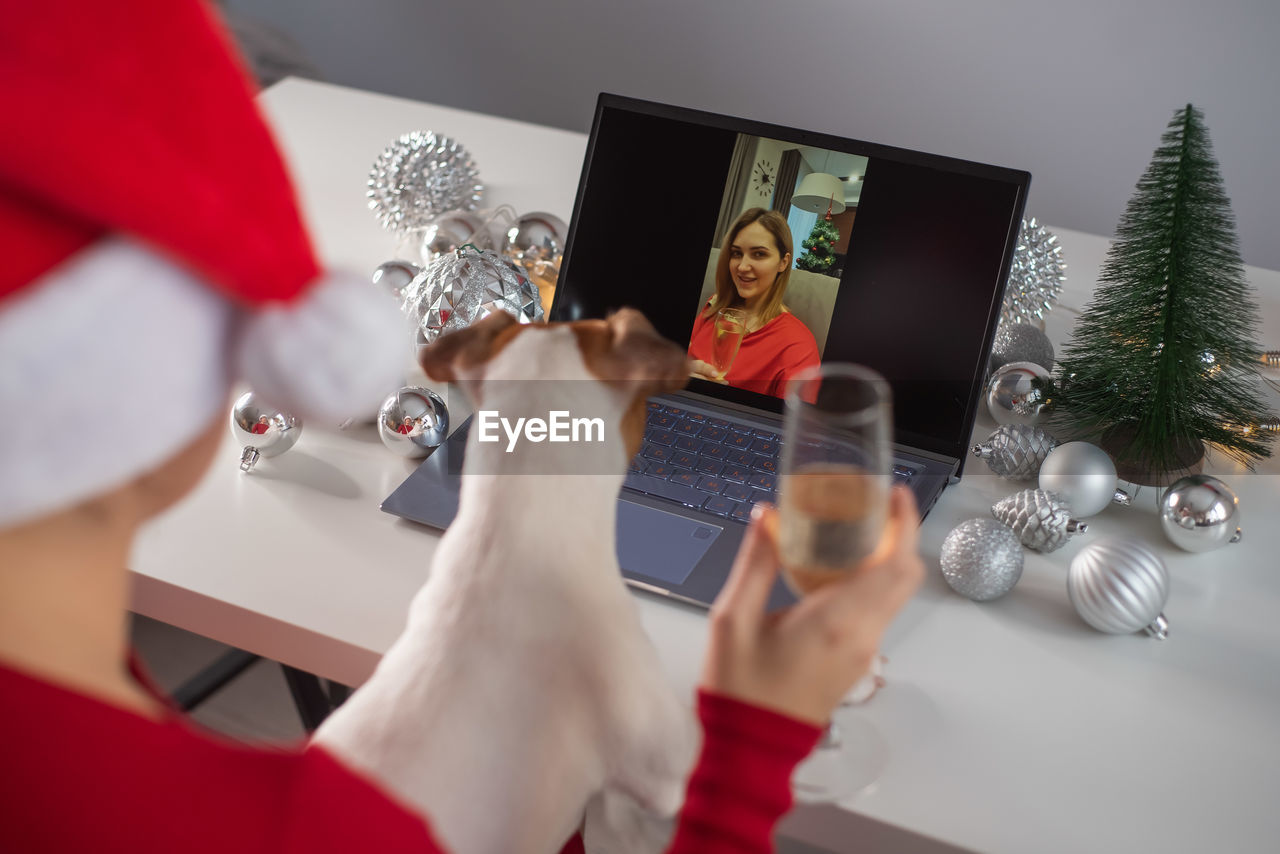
1035, 277
1015, 451
1041, 520
466, 285
420, 176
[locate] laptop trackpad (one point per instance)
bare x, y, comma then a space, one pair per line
659, 544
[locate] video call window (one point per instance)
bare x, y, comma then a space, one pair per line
772, 275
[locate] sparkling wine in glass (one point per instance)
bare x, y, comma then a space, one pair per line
730, 327
834, 503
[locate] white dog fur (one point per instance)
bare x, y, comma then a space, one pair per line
524, 685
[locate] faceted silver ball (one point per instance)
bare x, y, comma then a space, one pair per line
1118, 587
1021, 342
1082, 474
413, 421
1199, 513
262, 431
981, 559
1012, 395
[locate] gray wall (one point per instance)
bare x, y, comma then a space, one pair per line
1077, 93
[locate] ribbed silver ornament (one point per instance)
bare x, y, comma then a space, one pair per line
1015, 451
1119, 587
1041, 520
420, 176
465, 285
1035, 277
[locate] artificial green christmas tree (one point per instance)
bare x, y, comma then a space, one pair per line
820, 245
1163, 358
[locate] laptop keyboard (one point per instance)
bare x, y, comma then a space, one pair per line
719, 466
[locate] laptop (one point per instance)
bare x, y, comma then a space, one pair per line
912, 287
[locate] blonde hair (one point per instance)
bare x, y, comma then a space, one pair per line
726, 293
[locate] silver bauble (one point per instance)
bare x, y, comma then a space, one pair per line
261, 431
1119, 587
981, 559
534, 237
395, 276
1013, 396
1084, 476
420, 176
1021, 342
1035, 276
452, 230
1041, 520
413, 421
1199, 513
1015, 451
466, 285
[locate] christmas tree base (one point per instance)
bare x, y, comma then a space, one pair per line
1188, 458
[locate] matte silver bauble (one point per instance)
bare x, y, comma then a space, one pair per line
1021, 342
1084, 476
1120, 587
413, 421
1041, 520
395, 276
261, 430
1015, 451
1199, 513
1014, 395
981, 559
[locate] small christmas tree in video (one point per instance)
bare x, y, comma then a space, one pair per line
1163, 359
820, 245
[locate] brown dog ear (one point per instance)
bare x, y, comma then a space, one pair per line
641, 354
454, 354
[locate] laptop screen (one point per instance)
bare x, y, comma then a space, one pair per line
837, 250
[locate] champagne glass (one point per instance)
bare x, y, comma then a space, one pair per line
730, 327
833, 507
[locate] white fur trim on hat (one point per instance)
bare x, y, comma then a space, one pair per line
117, 358
109, 364
334, 354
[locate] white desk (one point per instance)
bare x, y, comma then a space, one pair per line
1014, 727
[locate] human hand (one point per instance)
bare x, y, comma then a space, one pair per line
802, 661
704, 371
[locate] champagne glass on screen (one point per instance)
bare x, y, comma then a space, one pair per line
833, 508
730, 327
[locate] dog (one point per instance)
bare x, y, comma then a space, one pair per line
523, 686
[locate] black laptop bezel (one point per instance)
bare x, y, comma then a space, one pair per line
953, 449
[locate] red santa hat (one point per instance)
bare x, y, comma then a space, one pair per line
153, 255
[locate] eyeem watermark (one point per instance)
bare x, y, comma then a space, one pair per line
557, 427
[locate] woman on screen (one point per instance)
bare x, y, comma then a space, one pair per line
751, 278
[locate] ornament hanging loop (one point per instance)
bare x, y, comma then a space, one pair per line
249, 458
1159, 628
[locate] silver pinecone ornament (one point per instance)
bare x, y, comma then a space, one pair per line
1015, 451
1041, 520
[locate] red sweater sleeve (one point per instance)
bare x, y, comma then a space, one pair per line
741, 785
